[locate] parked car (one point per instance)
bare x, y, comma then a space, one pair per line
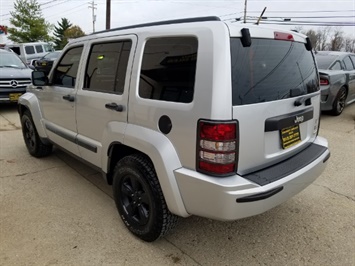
46, 62
337, 80
31, 51
184, 117
15, 76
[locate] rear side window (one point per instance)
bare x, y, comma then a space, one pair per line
168, 69
66, 71
107, 66
348, 63
29, 49
271, 70
39, 48
336, 66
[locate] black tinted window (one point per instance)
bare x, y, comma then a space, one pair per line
39, 48
29, 49
168, 69
348, 63
269, 70
67, 69
16, 50
107, 66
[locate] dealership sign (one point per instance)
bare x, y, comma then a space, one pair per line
3, 29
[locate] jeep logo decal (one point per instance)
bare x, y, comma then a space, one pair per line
299, 119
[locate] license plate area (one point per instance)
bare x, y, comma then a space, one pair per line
14, 96
290, 136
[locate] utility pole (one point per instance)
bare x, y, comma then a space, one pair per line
92, 5
108, 14
245, 11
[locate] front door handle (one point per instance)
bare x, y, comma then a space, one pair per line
69, 98
114, 106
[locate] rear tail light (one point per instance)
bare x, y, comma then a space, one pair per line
323, 81
217, 145
283, 36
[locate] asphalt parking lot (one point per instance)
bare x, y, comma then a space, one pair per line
57, 211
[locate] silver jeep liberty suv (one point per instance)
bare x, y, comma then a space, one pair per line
184, 117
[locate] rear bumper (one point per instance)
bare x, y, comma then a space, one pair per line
235, 197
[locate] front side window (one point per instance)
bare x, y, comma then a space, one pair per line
39, 48
348, 63
66, 71
168, 69
29, 49
107, 67
271, 70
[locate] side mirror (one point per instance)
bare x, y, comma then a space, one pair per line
39, 78
33, 62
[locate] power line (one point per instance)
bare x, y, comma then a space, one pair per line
317, 17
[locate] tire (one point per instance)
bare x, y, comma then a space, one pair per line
339, 102
139, 199
33, 142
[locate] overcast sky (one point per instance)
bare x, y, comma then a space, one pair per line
139, 11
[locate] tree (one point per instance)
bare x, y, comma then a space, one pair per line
322, 37
60, 41
349, 45
336, 40
73, 32
312, 35
29, 24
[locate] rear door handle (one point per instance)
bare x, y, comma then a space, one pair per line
114, 106
69, 98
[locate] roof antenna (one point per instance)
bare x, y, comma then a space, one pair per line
262, 13
245, 11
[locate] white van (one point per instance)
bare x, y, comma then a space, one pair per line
31, 51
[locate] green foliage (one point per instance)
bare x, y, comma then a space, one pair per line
60, 40
74, 32
29, 24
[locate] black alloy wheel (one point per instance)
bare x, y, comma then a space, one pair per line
33, 142
139, 198
339, 102
135, 200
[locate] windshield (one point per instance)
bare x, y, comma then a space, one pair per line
53, 55
324, 60
270, 70
11, 60
47, 48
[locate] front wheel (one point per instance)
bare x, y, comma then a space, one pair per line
33, 142
139, 198
339, 102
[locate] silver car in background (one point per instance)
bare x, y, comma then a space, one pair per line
15, 76
337, 80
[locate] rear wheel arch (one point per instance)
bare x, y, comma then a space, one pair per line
116, 152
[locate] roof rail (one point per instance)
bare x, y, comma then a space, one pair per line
165, 22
